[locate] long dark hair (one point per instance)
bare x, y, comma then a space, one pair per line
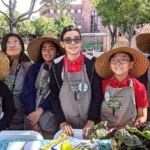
4, 47
67, 29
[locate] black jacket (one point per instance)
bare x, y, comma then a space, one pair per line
56, 83
7, 105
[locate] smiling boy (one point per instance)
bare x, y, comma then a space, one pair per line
125, 99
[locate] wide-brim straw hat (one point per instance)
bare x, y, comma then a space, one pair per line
33, 48
143, 42
140, 66
4, 65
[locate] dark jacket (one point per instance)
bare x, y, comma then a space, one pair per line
29, 90
8, 106
143, 79
56, 83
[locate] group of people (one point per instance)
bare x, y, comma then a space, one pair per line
57, 87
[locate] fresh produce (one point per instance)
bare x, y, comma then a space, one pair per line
66, 146
127, 138
124, 137
99, 131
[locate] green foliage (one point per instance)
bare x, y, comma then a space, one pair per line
64, 20
25, 28
128, 15
14, 18
58, 4
44, 25
4, 25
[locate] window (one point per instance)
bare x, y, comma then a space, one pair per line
72, 11
79, 10
58, 11
51, 11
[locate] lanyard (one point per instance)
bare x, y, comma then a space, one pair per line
16, 74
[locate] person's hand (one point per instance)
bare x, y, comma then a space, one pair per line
88, 126
139, 121
34, 117
36, 127
66, 128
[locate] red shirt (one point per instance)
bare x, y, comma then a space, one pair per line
76, 65
139, 89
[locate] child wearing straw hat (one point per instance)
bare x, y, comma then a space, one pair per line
143, 44
125, 99
7, 107
35, 92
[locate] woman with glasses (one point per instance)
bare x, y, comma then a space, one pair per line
35, 92
125, 99
12, 45
75, 87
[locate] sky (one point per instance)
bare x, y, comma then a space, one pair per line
23, 6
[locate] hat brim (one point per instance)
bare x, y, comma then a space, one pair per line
33, 48
4, 65
143, 42
140, 66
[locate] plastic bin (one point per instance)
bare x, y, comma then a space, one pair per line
19, 134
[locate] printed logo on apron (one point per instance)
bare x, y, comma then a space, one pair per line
115, 103
74, 87
10, 81
43, 85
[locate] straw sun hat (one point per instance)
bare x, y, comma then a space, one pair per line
143, 42
140, 66
33, 48
4, 65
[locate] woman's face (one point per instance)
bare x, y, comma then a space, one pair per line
49, 52
72, 42
13, 47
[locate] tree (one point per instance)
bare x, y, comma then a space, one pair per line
44, 25
137, 16
11, 6
114, 104
64, 20
125, 15
3, 25
25, 28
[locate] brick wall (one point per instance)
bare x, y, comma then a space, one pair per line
82, 19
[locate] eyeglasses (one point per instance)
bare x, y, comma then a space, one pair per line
69, 40
14, 44
121, 61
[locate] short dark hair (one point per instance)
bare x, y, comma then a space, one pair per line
67, 29
130, 56
4, 45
